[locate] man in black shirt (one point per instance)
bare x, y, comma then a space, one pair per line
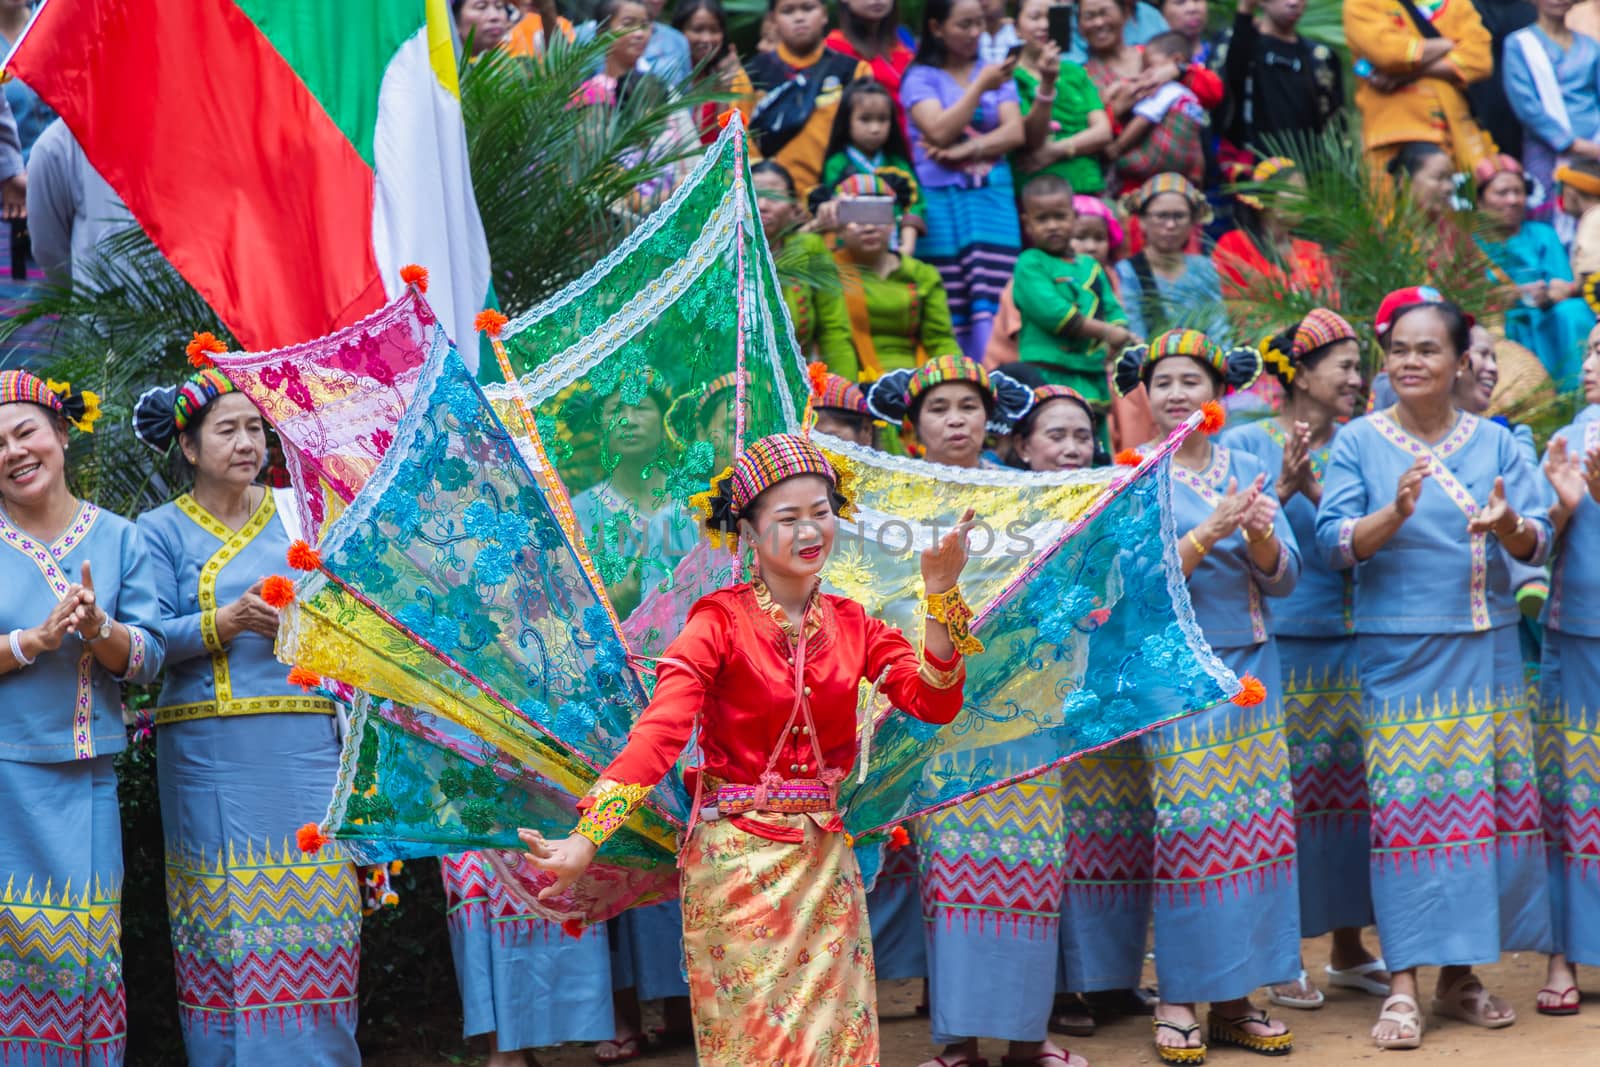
1277, 82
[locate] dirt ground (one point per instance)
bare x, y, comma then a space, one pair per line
1336, 1034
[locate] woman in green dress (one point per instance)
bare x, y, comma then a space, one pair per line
1063, 116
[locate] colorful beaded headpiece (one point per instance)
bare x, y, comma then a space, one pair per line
829, 390
1057, 392
1283, 353
1169, 183
1237, 368
688, 409
201, 389
23, 387
766, 462
943, 370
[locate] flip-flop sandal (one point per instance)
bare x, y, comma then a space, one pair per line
1179, 1053
1230, 1030
1561, 1007
627, 1050
1043, 1059
1359, 977
1402, 1011
1305, 1003
1072, 1017
1467, 1001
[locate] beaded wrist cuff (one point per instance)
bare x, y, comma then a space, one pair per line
949, 608
609, 804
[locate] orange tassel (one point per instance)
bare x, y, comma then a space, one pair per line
310, 838
898, 838
490, 321
1129, 457
199, 350
724, 118
415, 276
1212, 417
818, 373
305, 679
302, 557
277, 591
1251, 692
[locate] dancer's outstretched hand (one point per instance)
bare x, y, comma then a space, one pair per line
942, 564
567, 859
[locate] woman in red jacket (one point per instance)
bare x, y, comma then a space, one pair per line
776, 939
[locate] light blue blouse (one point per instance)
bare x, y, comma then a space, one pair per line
1227, 587
1431, 577
1194, 301
66, 706
1574, 604
1322, 600
1577, 71
199, 566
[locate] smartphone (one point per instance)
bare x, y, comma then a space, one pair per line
1013, 52
1062, 17
867, 211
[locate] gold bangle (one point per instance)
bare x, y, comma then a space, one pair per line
949, 608
1199, 546
1245, 533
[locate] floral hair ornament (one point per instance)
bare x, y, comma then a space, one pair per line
82, 409
1263, 173
1095, 208
200, 350
766, 462
1169, 182
1236, 368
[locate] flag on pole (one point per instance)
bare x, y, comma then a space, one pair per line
288, 156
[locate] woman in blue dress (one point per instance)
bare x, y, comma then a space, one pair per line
1318, 363
1227, 917
1551, 318
1567, 725
266, 938
1429, 504
990, 868
79, 616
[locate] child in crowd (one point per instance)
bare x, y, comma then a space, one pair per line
1166, 132
1097, 233
867, 139
999, 35
798, 86
1072, 322
1580, 198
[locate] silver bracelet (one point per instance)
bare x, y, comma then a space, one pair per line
16, 650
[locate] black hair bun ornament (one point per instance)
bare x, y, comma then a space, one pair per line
1243, 366
1277, 356
1130, 369
1012, 400
154, 418
886, 397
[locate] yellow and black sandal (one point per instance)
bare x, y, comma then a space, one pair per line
1179, 1053
1230, 1030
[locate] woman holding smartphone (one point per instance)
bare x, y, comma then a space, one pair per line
1063, 117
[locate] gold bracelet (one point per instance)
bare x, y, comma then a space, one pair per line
1199, 546
612, 804
1245, 533
949, 608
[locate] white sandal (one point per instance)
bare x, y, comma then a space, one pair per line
1404, 1012
1309, 1002
1466, 1000
1357, 977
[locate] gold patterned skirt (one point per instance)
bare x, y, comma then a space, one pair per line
778, 947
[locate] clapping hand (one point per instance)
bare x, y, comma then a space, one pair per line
53, 630
1295, 475
1409, 487
1566, 474
87, 618
1258, 518
942, 564
1233, 508
1489, 518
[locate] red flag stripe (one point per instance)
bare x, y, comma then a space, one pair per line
222, 154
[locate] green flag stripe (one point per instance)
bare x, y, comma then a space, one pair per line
340, 50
